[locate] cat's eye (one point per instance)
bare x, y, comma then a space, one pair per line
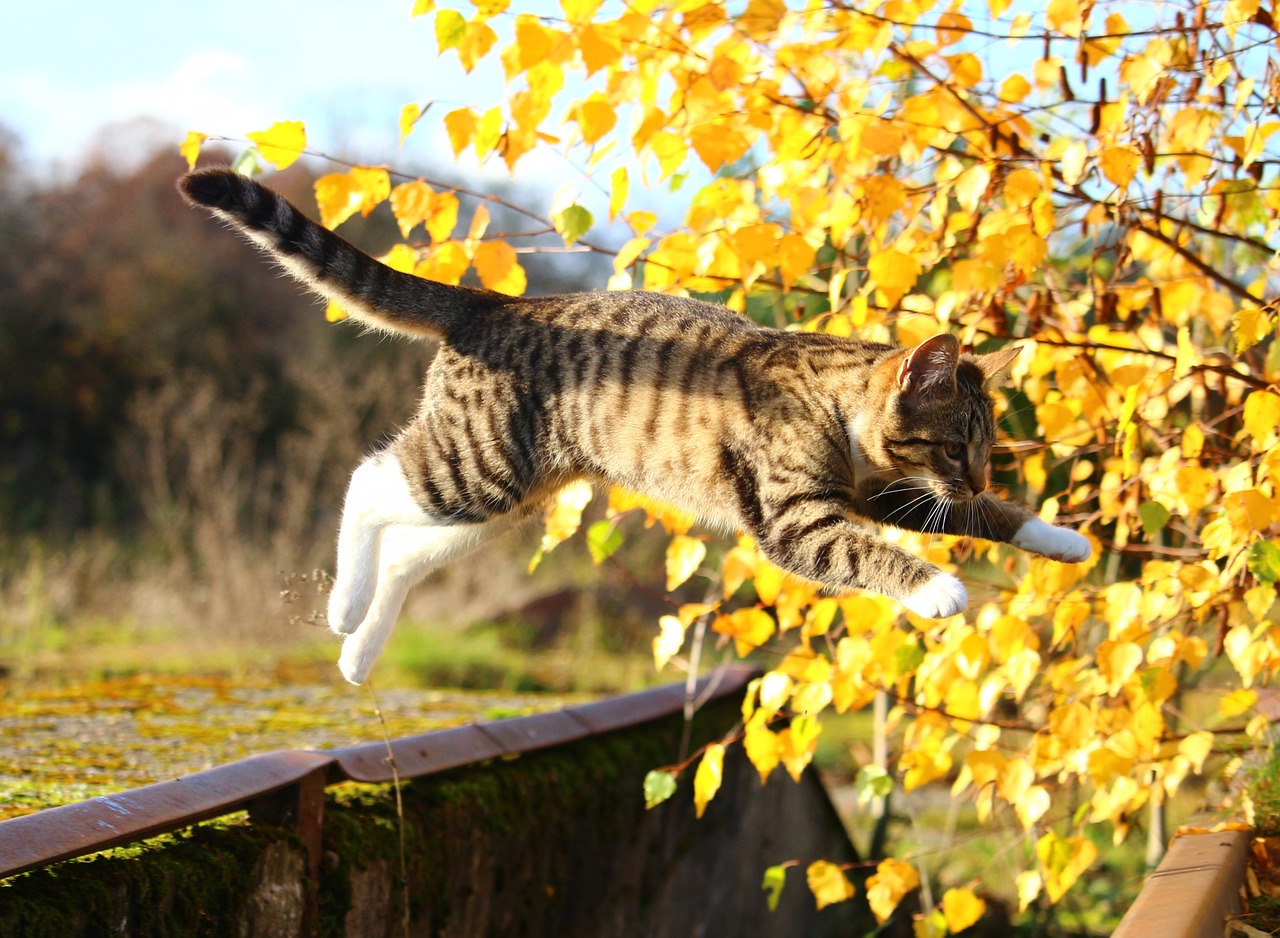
953, 450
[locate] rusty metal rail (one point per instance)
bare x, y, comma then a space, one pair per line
287, 788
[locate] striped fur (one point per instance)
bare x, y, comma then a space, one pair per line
788, 436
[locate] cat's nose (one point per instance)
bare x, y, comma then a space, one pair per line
978, 479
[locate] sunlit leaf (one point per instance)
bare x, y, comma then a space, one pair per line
706, 781
828, 883
190, 148
281, 143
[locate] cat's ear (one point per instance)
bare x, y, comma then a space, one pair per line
930, 366
992, 364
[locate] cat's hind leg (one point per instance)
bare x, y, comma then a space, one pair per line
378, 496
406, 555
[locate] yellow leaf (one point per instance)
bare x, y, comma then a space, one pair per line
373, 185
411, 204
190, 148
966, 69
670, 149
797, 744
684, 554
1014, 88
1250, 510
444, 216
479, 223
761, 745
961, 908
828, 883
889, 885
333, 312
477, 40
409, 115
1262, 418
673, 520
922, 766
446, 263
461, 125
1029, 886
579, 11
281, 143
337, 197
1119, 165
422, 6
564, 516
894, 273
795, 259
749, 628
1116, 663
1062, 861
400, 258
1237, 702
667, 643
1032, 806
495, 262
1074, 162
717, 144
596, 117
706, 781
619, 187
1065, 16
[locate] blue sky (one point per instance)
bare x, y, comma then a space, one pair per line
345, 67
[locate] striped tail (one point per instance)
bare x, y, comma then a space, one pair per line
370, 292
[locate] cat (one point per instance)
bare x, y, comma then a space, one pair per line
788, 436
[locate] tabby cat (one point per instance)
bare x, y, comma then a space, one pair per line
788, 436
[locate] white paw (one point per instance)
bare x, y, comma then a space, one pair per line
940, 597
1053, 542
347, 608
356, 660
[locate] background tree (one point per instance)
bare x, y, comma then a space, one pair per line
1094, 180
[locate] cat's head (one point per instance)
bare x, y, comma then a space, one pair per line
935, 424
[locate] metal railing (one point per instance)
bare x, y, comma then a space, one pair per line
287, 788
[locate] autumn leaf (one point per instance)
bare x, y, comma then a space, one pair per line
495, 262
684, 555
828, 883
1062, 861
706, 781
889, 885
668, 641
961, 909
281, 143
190, 148
410, 114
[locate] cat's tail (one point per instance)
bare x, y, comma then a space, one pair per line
369, 291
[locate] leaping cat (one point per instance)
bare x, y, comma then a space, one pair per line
788, 436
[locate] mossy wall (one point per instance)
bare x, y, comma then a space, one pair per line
556, 842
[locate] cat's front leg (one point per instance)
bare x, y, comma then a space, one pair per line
1051, 541
987, 516
821, 543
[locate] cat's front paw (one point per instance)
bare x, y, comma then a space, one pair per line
1053, 542
940, 597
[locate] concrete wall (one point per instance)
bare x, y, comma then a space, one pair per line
556, 842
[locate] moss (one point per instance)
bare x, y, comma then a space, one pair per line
189, 883
198, 882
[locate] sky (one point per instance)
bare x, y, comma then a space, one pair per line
344, 67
